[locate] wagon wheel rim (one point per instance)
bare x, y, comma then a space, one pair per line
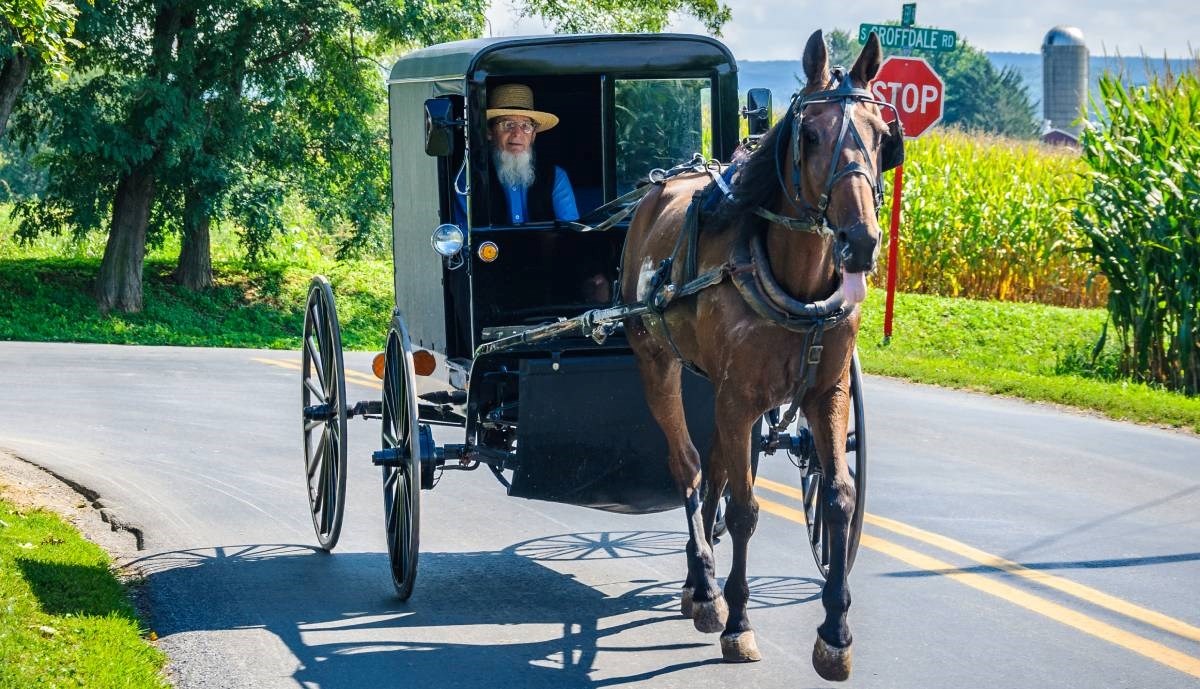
813, 490
401, 483
323, 384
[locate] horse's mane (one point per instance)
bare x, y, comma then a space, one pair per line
757, 182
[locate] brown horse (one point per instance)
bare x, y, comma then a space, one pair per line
817, 171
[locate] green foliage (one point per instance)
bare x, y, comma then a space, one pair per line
66, 620
659, 124
230, 104
39, 28
978, 97
1140, 213
987, 218
623, 16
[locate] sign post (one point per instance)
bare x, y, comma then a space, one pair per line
917, 92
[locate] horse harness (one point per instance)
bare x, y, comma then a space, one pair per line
748, 267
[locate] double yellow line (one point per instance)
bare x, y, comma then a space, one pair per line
1059, 613
351, 376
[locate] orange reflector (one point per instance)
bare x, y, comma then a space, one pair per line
377, 365
423, 362
488, 251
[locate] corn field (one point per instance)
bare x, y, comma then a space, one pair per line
990, 218
1140, 213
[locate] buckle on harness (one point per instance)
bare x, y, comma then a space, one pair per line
814, 354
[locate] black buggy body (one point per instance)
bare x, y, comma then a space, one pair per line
570, 413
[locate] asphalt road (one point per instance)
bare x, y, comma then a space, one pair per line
1006, 545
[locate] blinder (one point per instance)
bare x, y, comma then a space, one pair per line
891, 152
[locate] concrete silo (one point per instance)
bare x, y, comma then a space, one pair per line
1064, 78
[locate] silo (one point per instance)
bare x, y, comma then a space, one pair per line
1064, 78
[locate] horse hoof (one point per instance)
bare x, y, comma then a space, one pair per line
830, 662
710, 616
685, 602
740, 648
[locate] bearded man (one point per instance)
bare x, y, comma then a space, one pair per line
523, 189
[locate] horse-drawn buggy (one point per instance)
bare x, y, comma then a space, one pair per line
576, 344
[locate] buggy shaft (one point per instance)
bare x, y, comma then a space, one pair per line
594, 323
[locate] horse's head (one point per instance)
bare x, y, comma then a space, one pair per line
840, 148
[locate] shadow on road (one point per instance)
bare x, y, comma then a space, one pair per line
477, 619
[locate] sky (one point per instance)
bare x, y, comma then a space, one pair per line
777, 29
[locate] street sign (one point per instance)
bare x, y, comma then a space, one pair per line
909, 37
917, 92
908, 14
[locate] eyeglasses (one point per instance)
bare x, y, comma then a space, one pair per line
510, 126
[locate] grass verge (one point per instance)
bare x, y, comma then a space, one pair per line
1031, 351
65, 620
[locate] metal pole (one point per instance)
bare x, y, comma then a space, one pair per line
893, 252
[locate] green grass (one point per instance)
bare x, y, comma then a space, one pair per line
1031, 351
1024, 350
65, 620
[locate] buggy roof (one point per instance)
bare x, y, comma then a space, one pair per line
651, 54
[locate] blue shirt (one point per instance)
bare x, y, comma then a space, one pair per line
562, 195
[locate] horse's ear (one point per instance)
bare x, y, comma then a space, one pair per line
816, 60
867, 64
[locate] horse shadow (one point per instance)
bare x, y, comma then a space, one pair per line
345, 627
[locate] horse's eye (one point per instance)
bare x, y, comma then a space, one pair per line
810, 136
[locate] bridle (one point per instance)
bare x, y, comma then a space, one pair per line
815, 218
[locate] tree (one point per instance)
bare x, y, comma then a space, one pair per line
33, 34
978, 96
182, 111
622, 16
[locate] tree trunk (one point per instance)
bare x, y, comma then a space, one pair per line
12, 79
120, 283
194, 271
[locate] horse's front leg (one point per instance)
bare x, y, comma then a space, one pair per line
828, 418
701, 597
731, 456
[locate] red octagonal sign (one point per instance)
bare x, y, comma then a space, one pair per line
910, 84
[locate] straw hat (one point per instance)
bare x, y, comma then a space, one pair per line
517, 100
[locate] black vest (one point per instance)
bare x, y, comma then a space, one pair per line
539, 199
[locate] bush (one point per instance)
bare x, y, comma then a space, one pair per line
1139, 215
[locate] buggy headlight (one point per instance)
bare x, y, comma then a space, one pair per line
447, 240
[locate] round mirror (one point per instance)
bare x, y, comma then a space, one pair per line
447, 240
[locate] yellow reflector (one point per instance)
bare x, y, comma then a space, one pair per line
488, 251
423, 362
377, 365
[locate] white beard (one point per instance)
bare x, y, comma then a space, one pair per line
514, 169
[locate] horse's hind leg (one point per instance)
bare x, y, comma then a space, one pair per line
827, 418
701, 598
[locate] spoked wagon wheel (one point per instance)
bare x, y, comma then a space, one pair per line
856, 459
402, 470
323, 394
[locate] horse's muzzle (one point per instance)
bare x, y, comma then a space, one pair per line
858, 247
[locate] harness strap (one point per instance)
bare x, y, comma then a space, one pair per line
794, 223
810, 361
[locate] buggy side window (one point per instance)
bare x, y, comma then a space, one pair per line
660, 123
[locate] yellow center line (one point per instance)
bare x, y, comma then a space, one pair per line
1059, 613
351, 376
1071, 588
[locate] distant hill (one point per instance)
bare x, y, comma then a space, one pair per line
780, 75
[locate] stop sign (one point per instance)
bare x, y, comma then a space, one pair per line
911, 85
